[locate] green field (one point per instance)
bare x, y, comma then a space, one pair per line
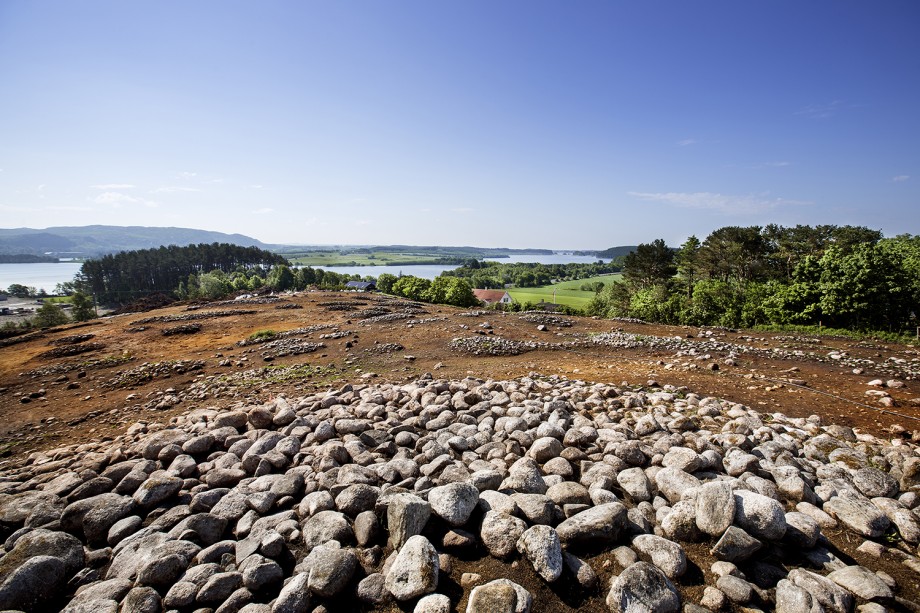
378, 258
568, 293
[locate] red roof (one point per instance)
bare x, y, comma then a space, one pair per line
489, 295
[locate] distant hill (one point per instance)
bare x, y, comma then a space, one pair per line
615, 252
91, 241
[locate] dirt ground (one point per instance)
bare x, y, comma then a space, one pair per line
75, 404
48, 401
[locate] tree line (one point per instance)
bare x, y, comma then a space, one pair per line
834, 276
495, 275
126, 276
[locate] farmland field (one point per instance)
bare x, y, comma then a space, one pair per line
568, 293
378, 258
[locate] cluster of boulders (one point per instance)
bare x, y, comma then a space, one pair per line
147, 371
71, 339
163, 319
491, 345
64, 351
547, 319
370, 495
181, 329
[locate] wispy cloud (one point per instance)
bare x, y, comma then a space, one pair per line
117, 199
113, 186
723, 203
823, 111
187, 175
168, 189
463, 209
687, 142
775, 164
263, 211
70, 208
900, 178
257, 186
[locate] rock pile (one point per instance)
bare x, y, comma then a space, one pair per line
64, 351
192, 316
361, 497
181, 329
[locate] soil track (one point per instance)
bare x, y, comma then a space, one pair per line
336, 338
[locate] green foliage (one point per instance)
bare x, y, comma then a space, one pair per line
129, 275
48, 315
650, 264
83, 308
262, 335
495, 275
413, 288
280, 278
846, 277
385, 282
20, 291
451, 290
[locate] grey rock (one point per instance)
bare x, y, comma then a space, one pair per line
218, 587
329, 570
414, 571
180, 595
859, 516
736, 545
407, 515
327, 526
862, 582
366, 528
294, 596
499, 596
454, 502
759, 515
600, 524
155, 490
142, 600
41, 542
635, 484
715, 507
433, 603
540, 544
582, 571
162, 571
38, 579
872, 483
827, 593
524, 477
666, 555
372, 589
568, 492
356, 498
259, 572
801, 530
643, 587
500, 533
536, 508
673, 482
738, 590
791, 598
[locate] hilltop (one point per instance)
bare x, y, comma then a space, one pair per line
96, 240
346, 382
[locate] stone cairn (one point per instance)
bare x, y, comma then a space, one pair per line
357, 498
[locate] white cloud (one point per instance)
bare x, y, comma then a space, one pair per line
256, 186
263, 211
463, 209
111, 186
187, 175
776, 164
363, 222
724, 203
70, 208
172, 188
687, 141
900, 178
117, 199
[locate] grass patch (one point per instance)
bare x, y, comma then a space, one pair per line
261, 336
568, 293
890, 337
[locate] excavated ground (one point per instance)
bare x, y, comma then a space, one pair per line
91, 381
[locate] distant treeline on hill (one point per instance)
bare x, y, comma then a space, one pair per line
26, 258
129, 275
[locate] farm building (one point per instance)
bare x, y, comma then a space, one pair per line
361, 286
491, 296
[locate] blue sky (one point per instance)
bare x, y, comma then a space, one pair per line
517, 123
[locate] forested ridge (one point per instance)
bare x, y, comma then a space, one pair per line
129, 275
834, 276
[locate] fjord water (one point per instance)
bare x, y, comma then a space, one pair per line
43, 275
